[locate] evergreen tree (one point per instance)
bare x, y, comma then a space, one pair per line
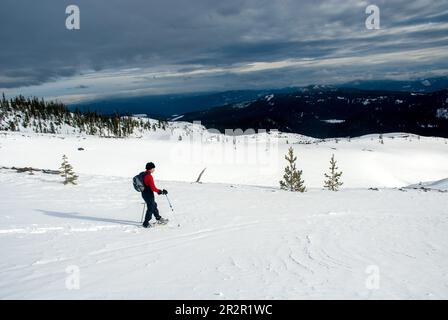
26, 120
12, 126
292, 179
333, 183
66, 171
4, 103
52, 128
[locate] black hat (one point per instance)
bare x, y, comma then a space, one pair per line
150, 166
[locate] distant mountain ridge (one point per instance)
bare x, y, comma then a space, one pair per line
421, 85
163, 106
324, 112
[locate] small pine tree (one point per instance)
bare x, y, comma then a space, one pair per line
292, 179
66, 171
52, 128
333, 183
12, 126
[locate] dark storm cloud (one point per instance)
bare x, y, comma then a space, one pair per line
204, 34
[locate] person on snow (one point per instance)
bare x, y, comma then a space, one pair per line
148, 196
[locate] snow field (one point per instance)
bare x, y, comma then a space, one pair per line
234, 242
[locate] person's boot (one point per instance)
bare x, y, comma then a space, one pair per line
146, 224
162, 220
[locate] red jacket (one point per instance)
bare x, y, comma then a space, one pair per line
149, 182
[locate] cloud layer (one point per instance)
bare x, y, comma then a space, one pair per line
142, 47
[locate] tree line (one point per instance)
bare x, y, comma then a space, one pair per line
51, 117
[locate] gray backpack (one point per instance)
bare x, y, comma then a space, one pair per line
138, 183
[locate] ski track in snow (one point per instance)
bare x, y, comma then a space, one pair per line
234, 241
315, 245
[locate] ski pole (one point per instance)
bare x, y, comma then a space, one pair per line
143, 212
169, 202
172, 210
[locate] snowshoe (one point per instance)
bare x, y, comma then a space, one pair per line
162, 221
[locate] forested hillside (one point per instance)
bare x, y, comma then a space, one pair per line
40, 116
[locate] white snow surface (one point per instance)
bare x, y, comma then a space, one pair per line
442, 113
234, 236
441, 185
234, 242
177, 118
333, 121
256, 159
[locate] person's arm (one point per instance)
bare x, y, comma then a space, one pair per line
149, 181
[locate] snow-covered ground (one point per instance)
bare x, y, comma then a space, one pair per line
233, 242
431, 185
255, 160
239, 235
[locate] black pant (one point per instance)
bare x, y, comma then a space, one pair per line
151, 207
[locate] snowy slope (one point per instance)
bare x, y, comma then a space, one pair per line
239, 235
433, 185
253, 242
254, 160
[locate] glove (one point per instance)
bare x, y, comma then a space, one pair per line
160, 192
164, 191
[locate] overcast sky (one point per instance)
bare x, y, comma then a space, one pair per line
139, 47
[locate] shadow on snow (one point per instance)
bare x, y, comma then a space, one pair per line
78, 216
